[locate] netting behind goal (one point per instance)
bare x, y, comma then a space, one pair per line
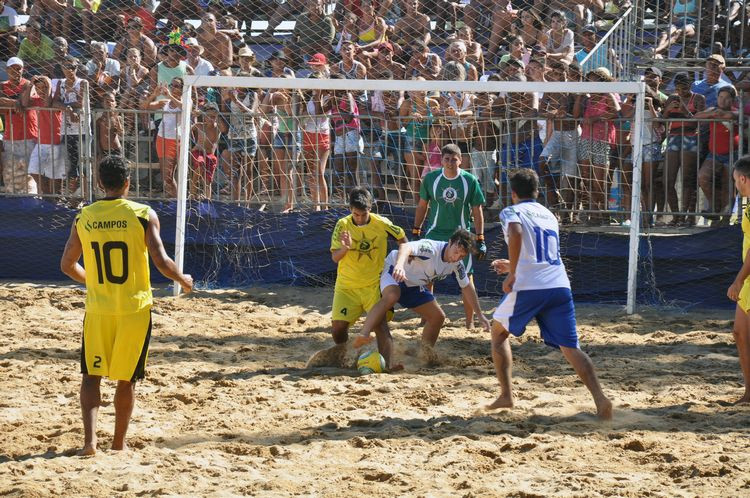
269, 169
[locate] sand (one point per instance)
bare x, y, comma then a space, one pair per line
228, 407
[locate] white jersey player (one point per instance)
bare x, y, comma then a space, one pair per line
405, 277
536, 287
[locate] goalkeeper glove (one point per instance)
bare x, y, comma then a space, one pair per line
481, 248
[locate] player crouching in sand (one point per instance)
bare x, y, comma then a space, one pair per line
406, 274
536, 287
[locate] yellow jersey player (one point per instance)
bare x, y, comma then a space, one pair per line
359, 244
739, 291
115, 237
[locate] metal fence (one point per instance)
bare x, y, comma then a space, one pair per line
615, 49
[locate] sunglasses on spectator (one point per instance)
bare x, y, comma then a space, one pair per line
72, 67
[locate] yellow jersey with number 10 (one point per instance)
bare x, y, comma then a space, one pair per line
115, 256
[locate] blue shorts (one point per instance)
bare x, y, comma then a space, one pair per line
287, 140
411, 297
720, 158
552, 308
249, 146
652, 152
682, 143
521, 155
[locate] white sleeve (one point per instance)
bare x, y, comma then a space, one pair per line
423, 249
461, 276
508, 216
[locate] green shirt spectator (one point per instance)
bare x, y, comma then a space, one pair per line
36, 49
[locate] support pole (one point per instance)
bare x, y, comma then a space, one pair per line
635, 202
182, 177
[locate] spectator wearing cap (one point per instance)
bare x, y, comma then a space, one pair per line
603, 58
712, 80
101, 69
385, 66
21, 130
246, 58
135, 38
201, 66
173, 66
682, 144
319, 65
314, 31
652, 76
36, 50
69, 96
218, 46
8, 30
278, 62
559, 38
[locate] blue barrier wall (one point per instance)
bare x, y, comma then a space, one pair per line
229, 246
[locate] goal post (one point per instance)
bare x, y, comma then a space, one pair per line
637, 89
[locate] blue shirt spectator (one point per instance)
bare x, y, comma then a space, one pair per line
712, 81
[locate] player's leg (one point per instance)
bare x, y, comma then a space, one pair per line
390, 295
434, 318
385, 342
502, 359
584, 367
91, 399
124, 403
741, 333
557, 324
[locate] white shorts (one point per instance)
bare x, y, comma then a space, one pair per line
348, 143
16, 166
48, 160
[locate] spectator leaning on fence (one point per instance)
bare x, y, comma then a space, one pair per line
47, 161
21, 131
714, 174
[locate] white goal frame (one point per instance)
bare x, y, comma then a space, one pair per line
636, 87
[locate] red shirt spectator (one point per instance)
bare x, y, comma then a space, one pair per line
18, 125
50, 123
719, 139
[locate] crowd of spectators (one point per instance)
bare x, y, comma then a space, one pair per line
134, 72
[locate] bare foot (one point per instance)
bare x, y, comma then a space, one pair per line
429, 356
330, 357
88, 450
604, 409
123, 447
361, 340
502, 401
469, 324
395, 368
744, 399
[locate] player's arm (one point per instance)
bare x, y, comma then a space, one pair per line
419, 216
478, 216
515, 239
69, 264
159, 256
469, 294
734, 290
404, 251
341, 241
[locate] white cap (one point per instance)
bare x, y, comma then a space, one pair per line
14, 61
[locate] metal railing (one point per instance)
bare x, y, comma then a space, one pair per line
615, 49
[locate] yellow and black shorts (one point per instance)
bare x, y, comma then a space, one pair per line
349, 304
116, 346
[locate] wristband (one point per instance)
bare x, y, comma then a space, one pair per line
480, 237
416, 231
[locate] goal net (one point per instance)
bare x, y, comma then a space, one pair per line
271, 162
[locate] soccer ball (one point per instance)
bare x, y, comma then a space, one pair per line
370, 362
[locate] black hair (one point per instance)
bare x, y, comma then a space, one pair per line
525, 183
729, 89
113, 172
451, 149
360, 198
742, 166
462, 238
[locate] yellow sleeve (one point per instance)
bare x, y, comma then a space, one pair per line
394, 231
336, 235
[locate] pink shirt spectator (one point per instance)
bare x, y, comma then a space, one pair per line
434, 158
603, 129
343, 108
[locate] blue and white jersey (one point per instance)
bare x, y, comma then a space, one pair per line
425, 264
539, 264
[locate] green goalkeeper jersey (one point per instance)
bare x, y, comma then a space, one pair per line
450, 202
